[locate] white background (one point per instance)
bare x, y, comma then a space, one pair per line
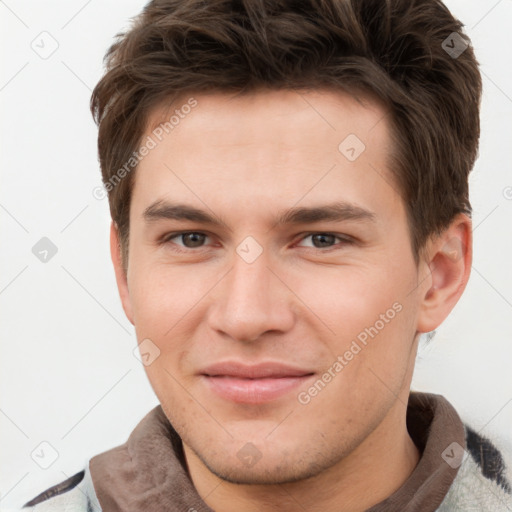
68, 374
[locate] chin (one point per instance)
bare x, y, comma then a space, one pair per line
264, 473
271, 464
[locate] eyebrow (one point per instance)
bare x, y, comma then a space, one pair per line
338, 211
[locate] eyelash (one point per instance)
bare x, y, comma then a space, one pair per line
167, 239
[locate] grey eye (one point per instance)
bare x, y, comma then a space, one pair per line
323, 239
193, 239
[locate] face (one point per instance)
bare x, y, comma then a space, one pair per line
280, 319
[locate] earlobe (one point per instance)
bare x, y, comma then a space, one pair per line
450, 267
121, 275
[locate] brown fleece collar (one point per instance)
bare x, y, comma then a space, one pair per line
148, 473
434, 425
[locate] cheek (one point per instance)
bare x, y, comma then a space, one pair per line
153, 302
345, 299
168, 306
162, 295
370, 320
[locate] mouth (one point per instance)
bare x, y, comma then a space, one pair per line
253, 384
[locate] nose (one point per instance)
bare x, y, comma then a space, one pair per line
251, 300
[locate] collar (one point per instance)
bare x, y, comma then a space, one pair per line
438, 432
148, 473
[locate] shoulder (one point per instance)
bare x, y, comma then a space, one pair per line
65, 486
484, 479
489, 458
75, 494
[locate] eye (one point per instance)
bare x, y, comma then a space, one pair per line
325, 240
180, 242
189, 239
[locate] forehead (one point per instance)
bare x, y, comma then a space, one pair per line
266, 148
258, 116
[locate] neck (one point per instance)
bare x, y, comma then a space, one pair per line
369, 474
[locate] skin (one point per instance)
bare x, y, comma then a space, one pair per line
245, 160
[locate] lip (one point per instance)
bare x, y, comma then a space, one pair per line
253, 384
262, 370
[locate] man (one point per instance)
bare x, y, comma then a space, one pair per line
288, 185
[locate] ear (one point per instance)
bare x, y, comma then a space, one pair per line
121, 276
449, 262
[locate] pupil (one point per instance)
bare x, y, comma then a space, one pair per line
194, 238
323, 241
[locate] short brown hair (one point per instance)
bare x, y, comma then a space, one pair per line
396, 50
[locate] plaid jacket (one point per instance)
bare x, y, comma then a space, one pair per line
481, 485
